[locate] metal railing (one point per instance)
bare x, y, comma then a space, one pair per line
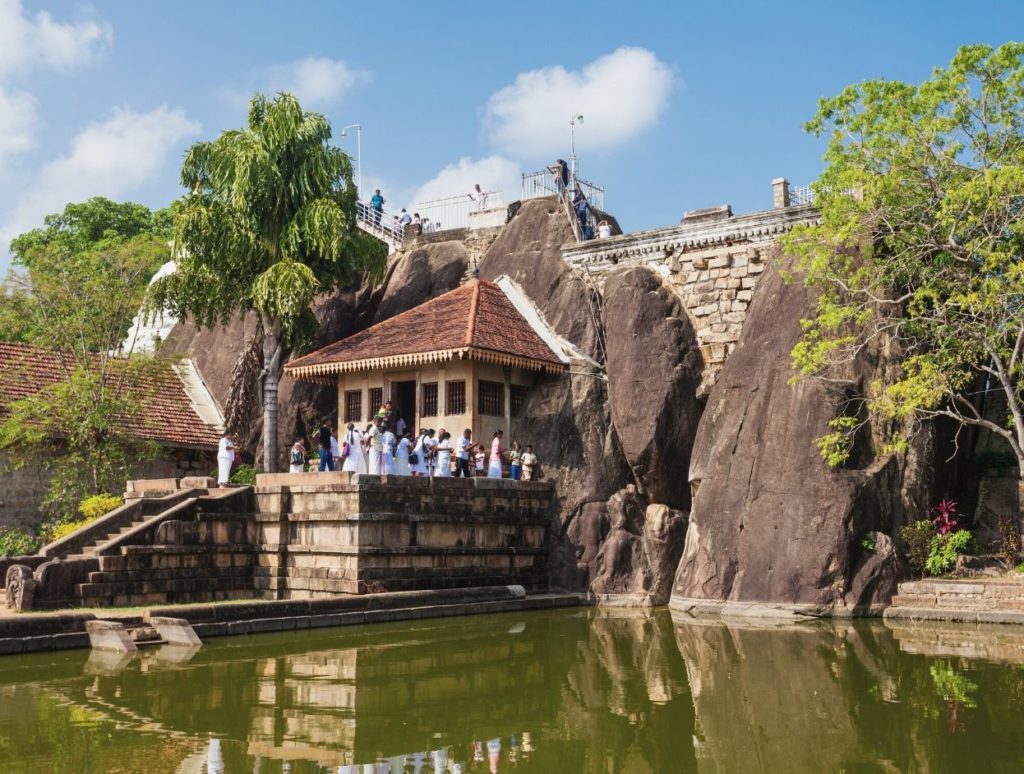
454, 211
800, 194
380, 223
545, 183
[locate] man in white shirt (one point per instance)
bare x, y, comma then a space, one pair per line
465, 446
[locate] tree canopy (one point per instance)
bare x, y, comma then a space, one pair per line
920, 246
269, 221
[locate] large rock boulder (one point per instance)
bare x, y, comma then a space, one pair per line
529, 251
424, 272
771, 523
654, 369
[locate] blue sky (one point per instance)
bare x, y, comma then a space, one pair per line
687, 104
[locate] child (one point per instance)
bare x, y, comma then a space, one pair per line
478, 460
528, 462
515, 458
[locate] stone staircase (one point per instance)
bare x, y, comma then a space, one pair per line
991, 600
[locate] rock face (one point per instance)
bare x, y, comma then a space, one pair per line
654, 369
421, 274
770, 521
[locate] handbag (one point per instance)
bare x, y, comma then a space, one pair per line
345, 449
414, 458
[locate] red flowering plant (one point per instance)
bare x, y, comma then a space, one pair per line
944, 516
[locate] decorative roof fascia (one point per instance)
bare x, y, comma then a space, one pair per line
687, 236
323, 373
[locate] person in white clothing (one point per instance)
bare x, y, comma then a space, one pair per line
376, 445
494, 464
388, 444
464, 448
335, 450
444, 455
402, 456
297, 457
225, 458
355, 460
604, 229
429, 445
419, 467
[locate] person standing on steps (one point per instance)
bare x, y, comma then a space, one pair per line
464, 449
323, 437
529, 462
377, 205
297, 456
494, 466
225, 459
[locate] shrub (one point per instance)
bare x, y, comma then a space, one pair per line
94, 506
867, 543
65, 528
944, 516
15, 542
245, 474
918, 537
944, 550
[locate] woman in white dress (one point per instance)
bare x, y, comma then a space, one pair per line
225, 458
443, 454
419, 468
388, 444
494, 466
402, 456
356, 460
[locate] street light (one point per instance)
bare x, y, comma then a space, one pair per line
576, 118
359, 153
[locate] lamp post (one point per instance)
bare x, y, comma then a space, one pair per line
359, 154
576, 117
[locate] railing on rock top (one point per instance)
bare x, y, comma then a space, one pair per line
454, 211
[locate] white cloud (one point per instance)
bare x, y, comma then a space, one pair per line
620, 95
316, 80
493, 173
42, 41
105, 159
17, 121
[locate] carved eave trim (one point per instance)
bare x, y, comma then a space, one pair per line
326, 373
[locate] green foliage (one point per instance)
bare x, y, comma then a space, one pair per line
919, 244
15, 542
94, 506
269, 222
65, 528
1019, 568
952, 686
918, 537
245, 474
867, 543
944, 550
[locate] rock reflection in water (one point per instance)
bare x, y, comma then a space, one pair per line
565, 691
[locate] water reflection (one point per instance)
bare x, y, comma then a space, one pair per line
569, 691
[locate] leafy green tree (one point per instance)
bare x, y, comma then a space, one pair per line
77, 427
918, 252
269, 222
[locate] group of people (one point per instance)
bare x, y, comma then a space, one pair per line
387, 447
580, 205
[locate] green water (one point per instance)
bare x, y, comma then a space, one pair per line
569, 691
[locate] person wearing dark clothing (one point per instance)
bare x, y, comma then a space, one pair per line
579, 202
387, 416
377, 205
324, 439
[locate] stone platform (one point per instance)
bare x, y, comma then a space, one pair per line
321, 534
991, 600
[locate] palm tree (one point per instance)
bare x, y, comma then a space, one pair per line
269, 222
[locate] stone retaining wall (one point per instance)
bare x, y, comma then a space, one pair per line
323, 534
995, 600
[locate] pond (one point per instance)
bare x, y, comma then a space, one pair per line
567, 691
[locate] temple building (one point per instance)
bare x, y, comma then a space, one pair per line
466, 359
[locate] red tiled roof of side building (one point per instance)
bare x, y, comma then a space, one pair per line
477, 315
166, 413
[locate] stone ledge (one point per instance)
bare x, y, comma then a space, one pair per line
952, 615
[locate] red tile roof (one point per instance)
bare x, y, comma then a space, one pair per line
166, 416
476, 321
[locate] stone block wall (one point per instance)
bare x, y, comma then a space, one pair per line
712, 261
324, 534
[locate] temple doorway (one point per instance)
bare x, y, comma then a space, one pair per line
403, 395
